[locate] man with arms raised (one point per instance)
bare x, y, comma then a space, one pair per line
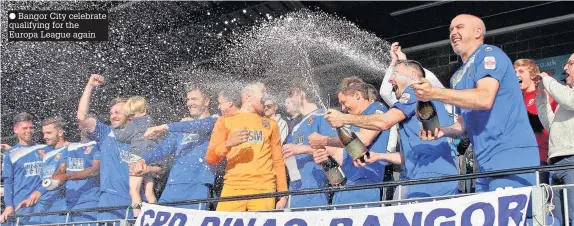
21, 168
115, 156
252, 147
487, 96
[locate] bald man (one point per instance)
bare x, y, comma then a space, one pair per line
487, 95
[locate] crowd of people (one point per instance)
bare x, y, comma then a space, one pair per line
514, 116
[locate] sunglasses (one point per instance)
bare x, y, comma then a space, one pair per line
268, 106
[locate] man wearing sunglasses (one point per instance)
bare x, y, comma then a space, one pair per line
270, 111
560, 124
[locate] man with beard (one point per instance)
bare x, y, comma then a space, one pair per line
190, 176
251, 145
21, 169
115, 156
54, 164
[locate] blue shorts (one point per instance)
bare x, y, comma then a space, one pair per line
358, 196
528, 157
107, 199
84, 216
50, 206
432, 190
175, 193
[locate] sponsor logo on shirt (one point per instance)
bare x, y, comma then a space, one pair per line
75, 164
255, 137
300, 138
33, 168
49, 170
489, 63
190, 138
125, 156
265, 123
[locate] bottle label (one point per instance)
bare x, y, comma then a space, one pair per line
356, 149
292, 168
336, 176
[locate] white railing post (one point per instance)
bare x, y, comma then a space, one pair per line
539, 205
565, 203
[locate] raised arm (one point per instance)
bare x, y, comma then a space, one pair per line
479, 98
88, 124
371, 122
545, 113
562, 94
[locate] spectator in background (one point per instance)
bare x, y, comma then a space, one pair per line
560, 125
270, 111
527, 70
252, 146
115, 156
21, 169
293, 114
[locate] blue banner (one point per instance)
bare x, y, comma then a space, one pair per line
554, 66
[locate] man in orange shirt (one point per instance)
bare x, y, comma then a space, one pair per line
251, 145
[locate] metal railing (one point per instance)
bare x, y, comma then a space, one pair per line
398, 184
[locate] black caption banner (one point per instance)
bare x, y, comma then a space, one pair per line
57, 26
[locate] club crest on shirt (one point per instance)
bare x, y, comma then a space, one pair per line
88, 150
405, 98
265, 123
41, 153
470, 73
310, 120
530, 102
58, 156
489, 63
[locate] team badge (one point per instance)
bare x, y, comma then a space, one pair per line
310, 120
470, 73
41, 153
58, 156
88, 150
530, 102
405, 98
265, 123
489, 63
488, 49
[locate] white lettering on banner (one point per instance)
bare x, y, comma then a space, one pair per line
504, 207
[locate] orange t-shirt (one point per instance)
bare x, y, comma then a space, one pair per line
255, 164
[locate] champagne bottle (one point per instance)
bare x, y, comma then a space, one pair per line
426, 113
352, 143
334, 172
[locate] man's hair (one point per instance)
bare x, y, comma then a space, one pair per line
372, 92
22, 117
305, 88
118, 100
232, 93
253, 87
353, 84
530, 66
205, 92
414, 65
135, 104
57, 121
